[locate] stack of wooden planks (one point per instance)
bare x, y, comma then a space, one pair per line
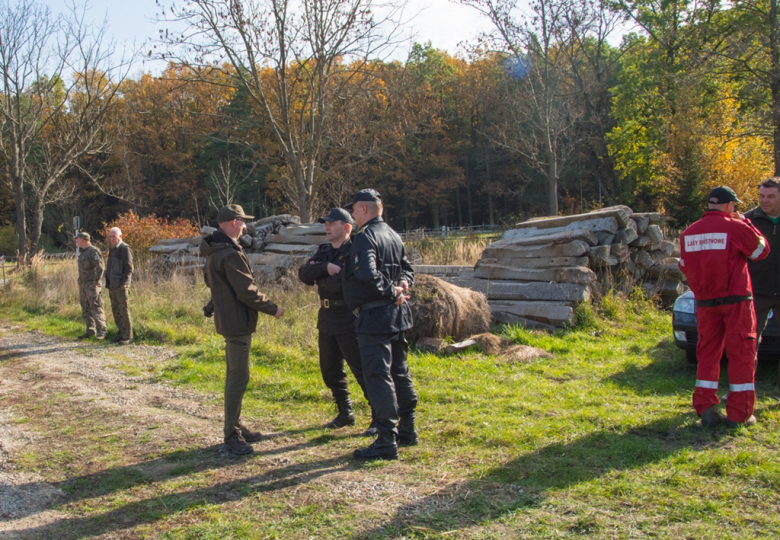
542, 268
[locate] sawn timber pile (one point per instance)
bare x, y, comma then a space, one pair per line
541, 269
275, 247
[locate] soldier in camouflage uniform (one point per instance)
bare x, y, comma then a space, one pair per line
91, 268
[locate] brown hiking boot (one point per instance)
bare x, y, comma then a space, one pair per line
248, 435
712, 417
747, 423
238, 445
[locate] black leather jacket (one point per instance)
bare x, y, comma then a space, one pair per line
765, 274
376, 264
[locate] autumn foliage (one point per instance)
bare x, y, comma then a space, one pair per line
141, 233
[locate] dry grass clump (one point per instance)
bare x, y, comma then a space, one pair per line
441, 310
518, 354
490, 343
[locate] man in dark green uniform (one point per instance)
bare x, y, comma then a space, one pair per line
377, 279
119, 274
236, 304
765, 274
91, 267
335, 321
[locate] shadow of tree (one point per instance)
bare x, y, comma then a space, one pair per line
158, 507
525, 482
669, 373
170, 466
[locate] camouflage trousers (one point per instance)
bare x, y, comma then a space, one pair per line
121, 312
92, 309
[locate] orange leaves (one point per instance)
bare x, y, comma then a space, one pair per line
141, 233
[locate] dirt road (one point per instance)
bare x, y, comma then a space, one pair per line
77, 435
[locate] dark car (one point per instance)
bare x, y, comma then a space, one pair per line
686, 336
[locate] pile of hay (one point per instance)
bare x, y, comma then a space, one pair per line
441, 309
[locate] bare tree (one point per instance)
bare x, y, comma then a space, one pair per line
541, 45
226, 182
57, 88
302, 64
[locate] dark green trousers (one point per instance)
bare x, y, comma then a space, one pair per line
121, 312
236, 379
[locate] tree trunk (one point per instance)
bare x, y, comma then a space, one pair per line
21, 223
552, 183
36, 225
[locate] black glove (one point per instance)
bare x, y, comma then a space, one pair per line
208, 309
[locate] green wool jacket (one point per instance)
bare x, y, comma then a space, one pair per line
236, 297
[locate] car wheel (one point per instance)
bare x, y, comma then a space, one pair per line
690, 355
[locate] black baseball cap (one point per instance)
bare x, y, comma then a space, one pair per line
231, 212
364, 195
337, 214
722, 195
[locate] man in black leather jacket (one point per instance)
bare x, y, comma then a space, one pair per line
377, 279
335, 321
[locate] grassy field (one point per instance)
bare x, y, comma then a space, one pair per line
598, 442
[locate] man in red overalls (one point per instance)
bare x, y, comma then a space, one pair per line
714, 254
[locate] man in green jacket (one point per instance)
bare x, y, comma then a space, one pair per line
119, 273
236, 304
765, 274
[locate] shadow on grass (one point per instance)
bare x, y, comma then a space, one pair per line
20, 350
171, 466
669, 373
526, 481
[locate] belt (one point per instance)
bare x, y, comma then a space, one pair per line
327, 303
726, 300
375, 303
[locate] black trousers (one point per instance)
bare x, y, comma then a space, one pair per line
762, 305
333, 351
388, 382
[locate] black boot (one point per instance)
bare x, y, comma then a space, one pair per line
372, 430
407, 436
345, 417
383, 447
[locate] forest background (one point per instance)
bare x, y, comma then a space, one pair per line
289, 107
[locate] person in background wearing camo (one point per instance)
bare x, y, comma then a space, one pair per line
118, 276
91, 268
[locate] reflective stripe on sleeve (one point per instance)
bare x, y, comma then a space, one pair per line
707, 384
759, 250
742, 387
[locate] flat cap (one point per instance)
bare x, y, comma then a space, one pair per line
83, 236
231, 212
722, 195
364, 195
337, 214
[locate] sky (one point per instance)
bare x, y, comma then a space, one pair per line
442, 22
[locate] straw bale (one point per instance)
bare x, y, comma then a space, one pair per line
441, 309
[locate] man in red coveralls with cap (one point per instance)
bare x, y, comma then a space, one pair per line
714, 254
